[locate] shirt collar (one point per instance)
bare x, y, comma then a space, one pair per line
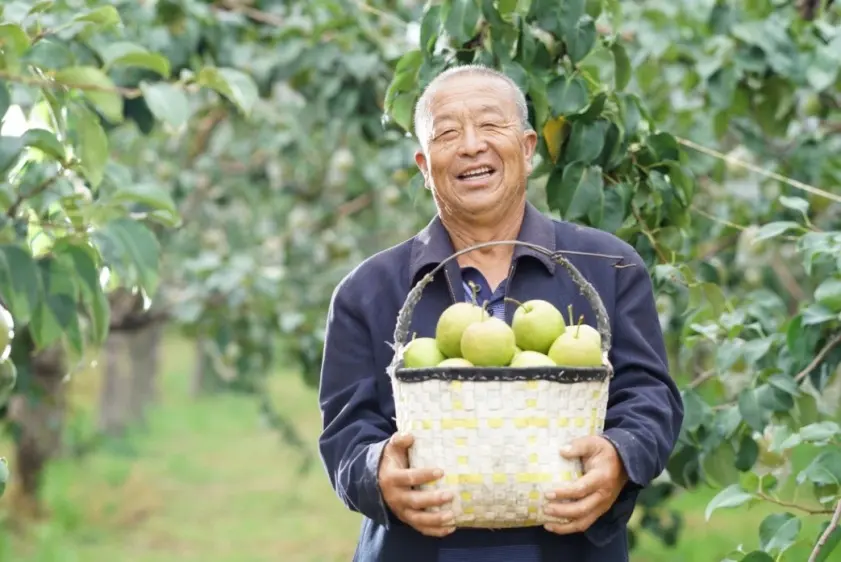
432, 245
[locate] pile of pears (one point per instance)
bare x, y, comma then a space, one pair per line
467, 335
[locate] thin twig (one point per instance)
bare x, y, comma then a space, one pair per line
13, 209
130, 93
701, 379
649, 235
833, 523
772, 175
803, 508
251, 13
818, 358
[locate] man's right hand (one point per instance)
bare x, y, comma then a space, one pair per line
396, 481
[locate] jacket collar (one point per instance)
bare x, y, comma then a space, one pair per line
432, 245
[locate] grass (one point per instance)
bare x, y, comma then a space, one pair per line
207, 481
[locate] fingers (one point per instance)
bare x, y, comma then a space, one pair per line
411, 506
588, 484
401, 441
583, 447
574, 525
576, 510
410, 477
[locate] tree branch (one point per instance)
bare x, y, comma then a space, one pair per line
830, 345
130, 93
44, 185
249, 12
833, 523
649, 235
803, 508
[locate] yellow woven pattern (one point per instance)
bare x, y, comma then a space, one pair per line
498, 442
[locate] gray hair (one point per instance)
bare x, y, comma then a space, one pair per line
423, 115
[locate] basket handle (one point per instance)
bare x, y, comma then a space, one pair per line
401, 331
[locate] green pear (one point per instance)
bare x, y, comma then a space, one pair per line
532, 359
578, 346
489, 343
452, 323
422, 352
536, 324
455, 362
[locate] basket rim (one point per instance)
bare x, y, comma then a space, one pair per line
559, 373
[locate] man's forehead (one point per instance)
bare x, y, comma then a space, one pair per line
490, 96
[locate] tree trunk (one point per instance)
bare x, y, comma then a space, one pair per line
144, 348
116, 386
201, 364
131, 362
39, 420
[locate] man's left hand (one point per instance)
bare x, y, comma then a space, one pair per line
586, 499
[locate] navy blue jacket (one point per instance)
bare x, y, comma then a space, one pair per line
644, 413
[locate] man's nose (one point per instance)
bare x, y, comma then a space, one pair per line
473, 141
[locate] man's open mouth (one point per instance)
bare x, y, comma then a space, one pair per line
478, 173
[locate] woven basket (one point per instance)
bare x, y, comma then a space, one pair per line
496, 432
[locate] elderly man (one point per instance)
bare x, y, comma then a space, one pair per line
476, 151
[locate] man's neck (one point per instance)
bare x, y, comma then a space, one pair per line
492, 261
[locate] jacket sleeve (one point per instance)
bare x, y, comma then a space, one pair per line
645, 409
354, 430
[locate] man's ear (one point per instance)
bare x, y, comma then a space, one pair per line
529, 146
423, 166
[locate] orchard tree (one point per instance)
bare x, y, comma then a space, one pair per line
650, 119
75, 224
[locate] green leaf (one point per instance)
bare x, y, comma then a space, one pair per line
92, 146
10, 149
821, 431
124, 53
83, 261
507, 6
167, 102
567, 96
234, 84
430, 25
720, 465
579, 190
97, 87
56, 315
4, 475
774, 229
104, 16
757, 556
581, 39
828, 294
19, 282
696, 410
149, 195
796, 204
778, 532
46, 142
751, 410
731, 496
5, 99
586, 141
137, 247
622, 65
825, 468
462, 19
748, 453
14, 39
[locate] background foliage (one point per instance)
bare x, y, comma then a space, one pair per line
204, 172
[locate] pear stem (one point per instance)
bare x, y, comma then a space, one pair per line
569, 308
578, 328
515, 301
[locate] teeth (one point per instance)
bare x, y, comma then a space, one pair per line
478, 172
